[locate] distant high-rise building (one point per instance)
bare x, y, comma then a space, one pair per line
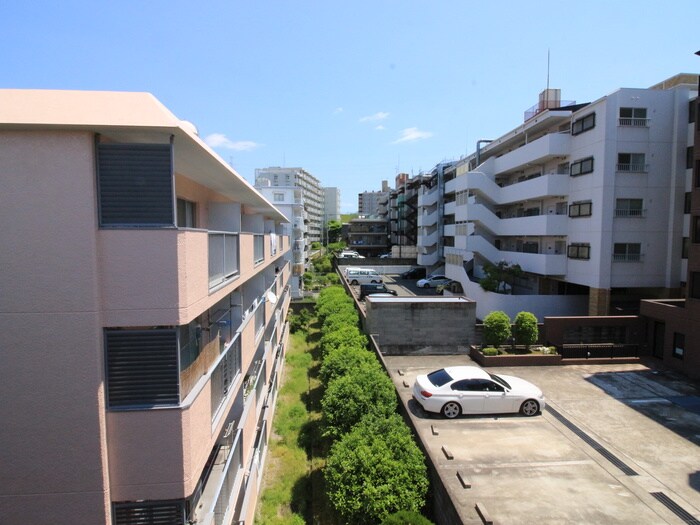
368, 202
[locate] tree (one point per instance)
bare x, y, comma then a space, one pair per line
500, 277
343, 335
334, 229
365, 390
376, 470
406, 517
496, 328
344, 360
525, 329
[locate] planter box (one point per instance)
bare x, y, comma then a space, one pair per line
514, 360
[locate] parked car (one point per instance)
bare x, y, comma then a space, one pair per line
414, 273
385, 256
375, 288
363, 276
457, 390
433, 280
349, 254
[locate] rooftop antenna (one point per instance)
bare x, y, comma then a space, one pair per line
547, 69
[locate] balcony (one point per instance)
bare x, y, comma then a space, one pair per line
634, 122
428, 239
633, 168
536, 152
224, 260
428, 198
427, 219
625, 212
532, 189
538, 263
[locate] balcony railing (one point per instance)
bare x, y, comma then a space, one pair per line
233, 476
224, 261
224, 375
633, 168
635, 122
627, 257
629, 213
258, 249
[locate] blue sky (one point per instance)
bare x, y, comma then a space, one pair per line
354, 92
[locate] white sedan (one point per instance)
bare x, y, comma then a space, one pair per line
457, 390
432, 281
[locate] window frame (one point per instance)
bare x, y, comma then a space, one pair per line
580, 250
628, 255
627, 211
583, 124
580, 165
631, 166
678, 350
578, 209
189, 208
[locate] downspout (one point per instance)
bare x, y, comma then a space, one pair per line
478, 149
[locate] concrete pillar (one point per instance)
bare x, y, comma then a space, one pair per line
599, 301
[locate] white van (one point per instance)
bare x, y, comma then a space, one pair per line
363, 276
349, 269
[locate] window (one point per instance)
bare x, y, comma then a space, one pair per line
581, 167
627, 252
689, 157
278, 197
583, 124
633, 117
135, 185
580, 209
628, 207
685, 248
696, 229
634, 162
579, 251
678, 345
186, 214
691, 111
695, 285
697, 171
149, 512
686, 204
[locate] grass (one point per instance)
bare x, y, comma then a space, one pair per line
293, 491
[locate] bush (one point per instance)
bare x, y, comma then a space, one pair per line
490, 350
339, 319
406, 517
366, 390
299, 321
344, 335
344, 360
332, 278
337, 305
323, 264
496, 328
376, 470
525, 329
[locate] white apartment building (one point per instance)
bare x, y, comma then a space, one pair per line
289, 200
312, 194
590, 200
331, 204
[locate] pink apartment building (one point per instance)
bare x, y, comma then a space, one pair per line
143, 298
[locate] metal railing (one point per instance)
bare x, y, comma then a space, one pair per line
224, 375
621, 212
633, 168
224, 248
232, 477
627, 257
635, 122
598, 350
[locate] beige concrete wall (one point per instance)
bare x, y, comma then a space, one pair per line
53, 453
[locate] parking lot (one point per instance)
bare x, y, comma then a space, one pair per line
616, 444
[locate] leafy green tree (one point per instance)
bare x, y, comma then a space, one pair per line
501, 275
376, 470
496, 328
366, 390
525, 329
406, 517
344, 335
344, 360
299, 321
340, 319
334, 229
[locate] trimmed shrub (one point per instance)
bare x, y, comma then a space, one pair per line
376, 470
345, 360
344, 335
366, 390
339, 319
496, 328
490, 351
406, 517
299, 321
525, 329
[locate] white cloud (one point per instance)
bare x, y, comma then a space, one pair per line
412, 134
379, 128
337, 110
381, 115
219, 140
